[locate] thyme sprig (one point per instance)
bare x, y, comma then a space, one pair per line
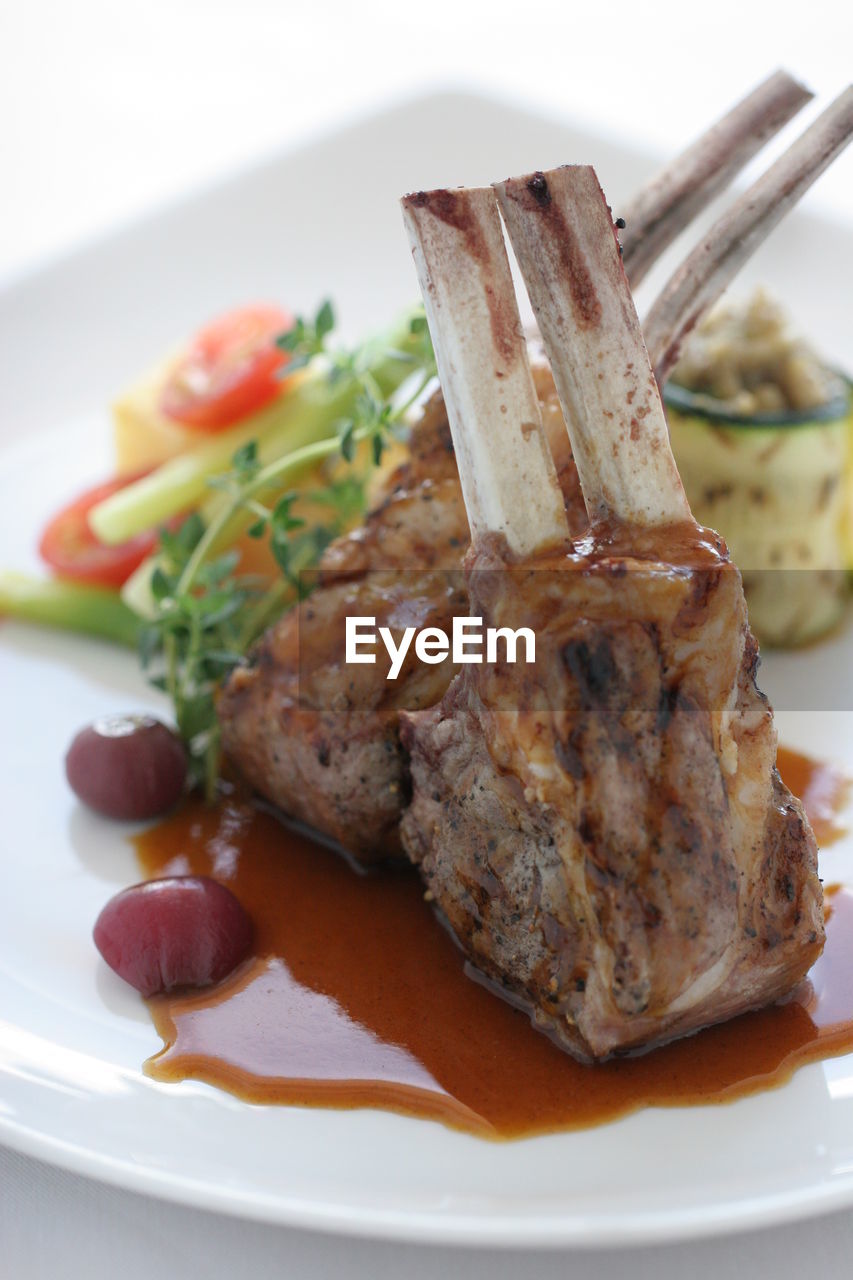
206, 615
307, 338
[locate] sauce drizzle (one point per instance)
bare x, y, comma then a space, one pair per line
357, 996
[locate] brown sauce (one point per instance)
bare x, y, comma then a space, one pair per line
358, 997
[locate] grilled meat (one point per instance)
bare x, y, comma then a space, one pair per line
606, 832
604, 829
319, 737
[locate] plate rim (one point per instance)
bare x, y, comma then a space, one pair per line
470, 1230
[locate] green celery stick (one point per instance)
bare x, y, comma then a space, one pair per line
68, 606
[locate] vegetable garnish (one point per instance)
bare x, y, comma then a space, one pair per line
69, 606
192, 613
129, 766
321, 392
177, 931
230, 371
73, 551
204, 615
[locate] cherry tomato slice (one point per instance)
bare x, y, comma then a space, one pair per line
230, 369
70, 548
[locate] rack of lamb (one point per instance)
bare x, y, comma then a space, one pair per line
320, 738
604, 829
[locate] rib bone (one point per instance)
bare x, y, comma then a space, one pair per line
560, 227
691, 181
505, 467
704, 274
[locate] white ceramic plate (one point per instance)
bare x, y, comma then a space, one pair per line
72, 1037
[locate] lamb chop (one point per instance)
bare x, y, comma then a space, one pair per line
604, 830
320, 738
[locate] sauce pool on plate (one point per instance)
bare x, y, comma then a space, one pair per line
356, 996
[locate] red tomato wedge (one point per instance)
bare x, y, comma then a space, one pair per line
72, 550
230, 370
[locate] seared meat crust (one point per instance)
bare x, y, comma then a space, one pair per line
605, 831
320, 738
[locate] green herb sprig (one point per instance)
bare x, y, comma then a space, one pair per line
205, 615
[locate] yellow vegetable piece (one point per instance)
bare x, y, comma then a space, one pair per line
145, 438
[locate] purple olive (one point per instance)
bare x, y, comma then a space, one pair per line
181, 931
127, 766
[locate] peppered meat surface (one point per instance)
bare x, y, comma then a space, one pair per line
320, 737
605, 831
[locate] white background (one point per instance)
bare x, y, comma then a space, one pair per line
111, 107
108, 107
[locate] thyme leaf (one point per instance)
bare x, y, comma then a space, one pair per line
206, 614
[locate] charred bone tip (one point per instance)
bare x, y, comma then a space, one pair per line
568, 253
508, 478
